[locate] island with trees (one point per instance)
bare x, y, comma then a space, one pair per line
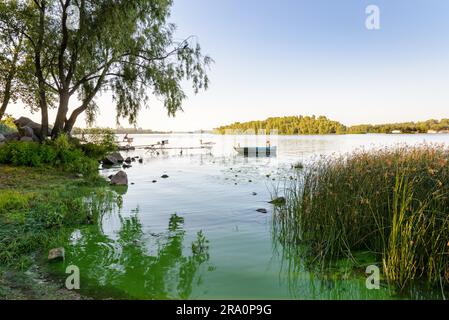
292, 125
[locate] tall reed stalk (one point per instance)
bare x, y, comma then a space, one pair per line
393, 202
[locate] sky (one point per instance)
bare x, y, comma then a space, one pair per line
307, 57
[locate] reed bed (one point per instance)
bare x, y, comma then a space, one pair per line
392, 202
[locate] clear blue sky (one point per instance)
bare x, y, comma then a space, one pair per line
291, 57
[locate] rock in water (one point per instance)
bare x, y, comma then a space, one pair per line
113, 158
164, 176
128, 160
2, 138
262, 210
56, 254
278, 201
140, 160
120, 179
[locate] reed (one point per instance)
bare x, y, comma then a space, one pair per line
392, 202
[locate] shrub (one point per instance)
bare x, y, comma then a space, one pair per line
59, 153
7, 125
391, 202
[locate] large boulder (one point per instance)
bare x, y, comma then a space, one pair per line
23, 122
26, 131
113, 158
120, 179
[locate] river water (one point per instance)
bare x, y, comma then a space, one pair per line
198, 235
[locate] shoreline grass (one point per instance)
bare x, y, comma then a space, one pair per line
392, 202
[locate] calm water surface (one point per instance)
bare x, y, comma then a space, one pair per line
198, 235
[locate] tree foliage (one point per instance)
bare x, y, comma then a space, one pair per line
322, 125
82, 48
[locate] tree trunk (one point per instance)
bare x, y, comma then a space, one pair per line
63, 108
40, 75
5, 102
70, 123
9, 79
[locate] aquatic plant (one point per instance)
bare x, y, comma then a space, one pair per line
392, 202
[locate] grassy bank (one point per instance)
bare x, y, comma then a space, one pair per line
391, 202
39, 208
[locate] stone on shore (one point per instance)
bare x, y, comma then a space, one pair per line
120, 179
56, 254
26, 139
113, 158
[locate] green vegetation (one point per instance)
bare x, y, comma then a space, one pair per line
391, 202
7, 125
322, 125
58, 153
38, 210
52, 51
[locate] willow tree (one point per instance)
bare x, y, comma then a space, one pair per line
13, 70
83, 48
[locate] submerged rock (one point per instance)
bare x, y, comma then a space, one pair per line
164, 176
56, 254
126, 166
120, 179
278, 201
254, 193
262, 210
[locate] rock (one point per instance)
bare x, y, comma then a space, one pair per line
128, 160
26, 139
2, 138
154, 181
141, 160
113, 158
120, 179
79, 175
250, 181
110, 177
262, 210
254, 193
56, 254
126, 166
14, 136
26, 132
164, 176
26, 122
278, 201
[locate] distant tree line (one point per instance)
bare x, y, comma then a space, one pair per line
322, 125
118, 131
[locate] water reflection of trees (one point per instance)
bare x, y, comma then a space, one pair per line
140, 265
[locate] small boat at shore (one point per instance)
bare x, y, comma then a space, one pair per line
256, 151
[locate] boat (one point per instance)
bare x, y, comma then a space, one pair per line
256, 151
206, 143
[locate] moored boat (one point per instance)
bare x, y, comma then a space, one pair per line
256, 151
